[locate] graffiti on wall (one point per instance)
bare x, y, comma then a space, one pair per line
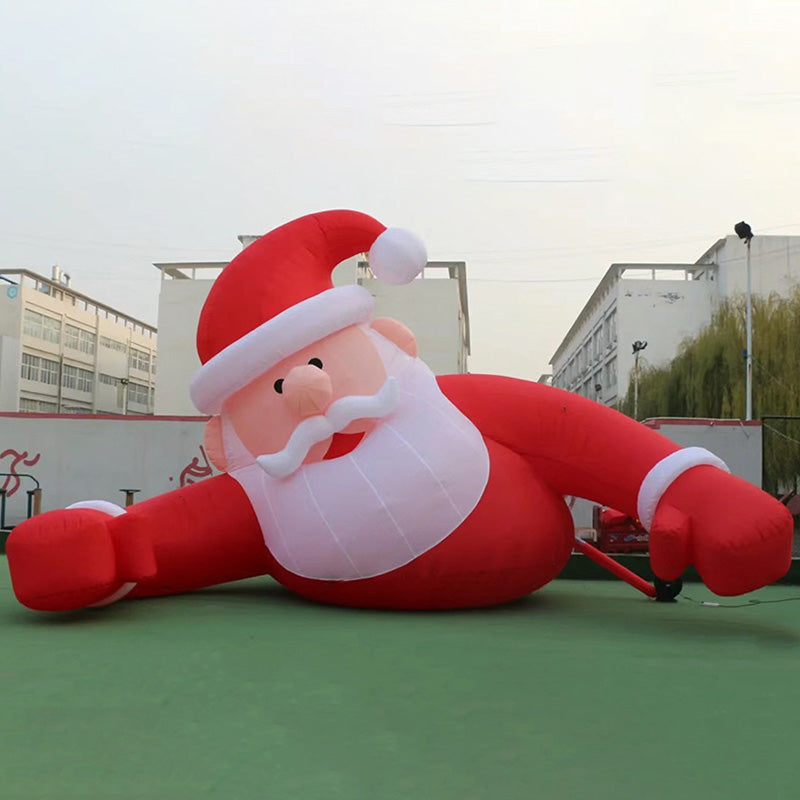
197, 469
12, 480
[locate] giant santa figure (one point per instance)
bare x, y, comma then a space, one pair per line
354, 476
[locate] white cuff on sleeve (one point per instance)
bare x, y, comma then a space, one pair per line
113, 510
662, 475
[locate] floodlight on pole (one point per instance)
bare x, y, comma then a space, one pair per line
745, 233
638, 346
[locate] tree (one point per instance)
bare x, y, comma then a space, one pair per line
707, 378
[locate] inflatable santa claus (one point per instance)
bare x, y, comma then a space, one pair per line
355, 476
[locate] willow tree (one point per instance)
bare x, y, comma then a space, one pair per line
707, 377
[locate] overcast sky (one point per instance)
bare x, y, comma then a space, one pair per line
539, 141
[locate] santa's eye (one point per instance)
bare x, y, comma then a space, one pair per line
315, 362
278, 386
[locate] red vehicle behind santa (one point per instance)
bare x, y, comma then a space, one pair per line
356, 477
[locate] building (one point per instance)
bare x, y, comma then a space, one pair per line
62, 352
434, 307
661, 305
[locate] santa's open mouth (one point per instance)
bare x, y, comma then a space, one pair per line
342, 415
342, 444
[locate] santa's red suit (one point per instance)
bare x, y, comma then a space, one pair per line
356, 477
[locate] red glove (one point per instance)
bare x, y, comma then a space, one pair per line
738, 537
73, 558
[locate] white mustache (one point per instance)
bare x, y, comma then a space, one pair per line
318, 428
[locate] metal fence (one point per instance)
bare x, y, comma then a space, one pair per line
780, 465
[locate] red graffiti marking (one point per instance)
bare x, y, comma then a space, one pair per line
196, 471
13, 480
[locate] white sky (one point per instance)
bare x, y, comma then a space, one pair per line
538, 140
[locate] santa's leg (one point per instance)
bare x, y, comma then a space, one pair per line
97, 553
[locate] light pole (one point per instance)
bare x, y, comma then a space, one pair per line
123, 382
745, 233
638, 346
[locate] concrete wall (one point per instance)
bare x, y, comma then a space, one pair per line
79, 458
663, 313
90, 458
10, 345
179, 305
738, 444
774, 260
10, 355
429, 307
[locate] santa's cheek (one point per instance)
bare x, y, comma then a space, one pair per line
264, 428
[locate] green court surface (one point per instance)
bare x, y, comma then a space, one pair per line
584, 690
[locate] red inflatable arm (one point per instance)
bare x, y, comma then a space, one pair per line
201, 535
738, 537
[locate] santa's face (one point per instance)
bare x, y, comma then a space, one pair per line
266, 412
407, 483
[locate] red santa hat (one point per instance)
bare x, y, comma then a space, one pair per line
277, 296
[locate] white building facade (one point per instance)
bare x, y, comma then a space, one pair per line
62, 352
434, 306
662, 305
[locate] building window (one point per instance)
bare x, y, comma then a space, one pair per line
108, 380
69, 378
76, 378
113, 344
140, 359
51, 329
612, 326
30, 367
71, 337
49, 372
41, 326
32, 324
138, 393
79, 339
85, 380
34, 368
88, 342
611, 374
31, 406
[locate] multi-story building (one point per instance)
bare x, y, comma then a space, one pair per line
662, 305
62, 352
434, 307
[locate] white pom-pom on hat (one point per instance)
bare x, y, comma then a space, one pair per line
397, 256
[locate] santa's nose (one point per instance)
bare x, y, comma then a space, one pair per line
307, 390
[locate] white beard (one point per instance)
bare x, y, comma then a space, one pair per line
406, 486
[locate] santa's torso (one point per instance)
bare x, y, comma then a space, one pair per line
424, 513
518, 538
